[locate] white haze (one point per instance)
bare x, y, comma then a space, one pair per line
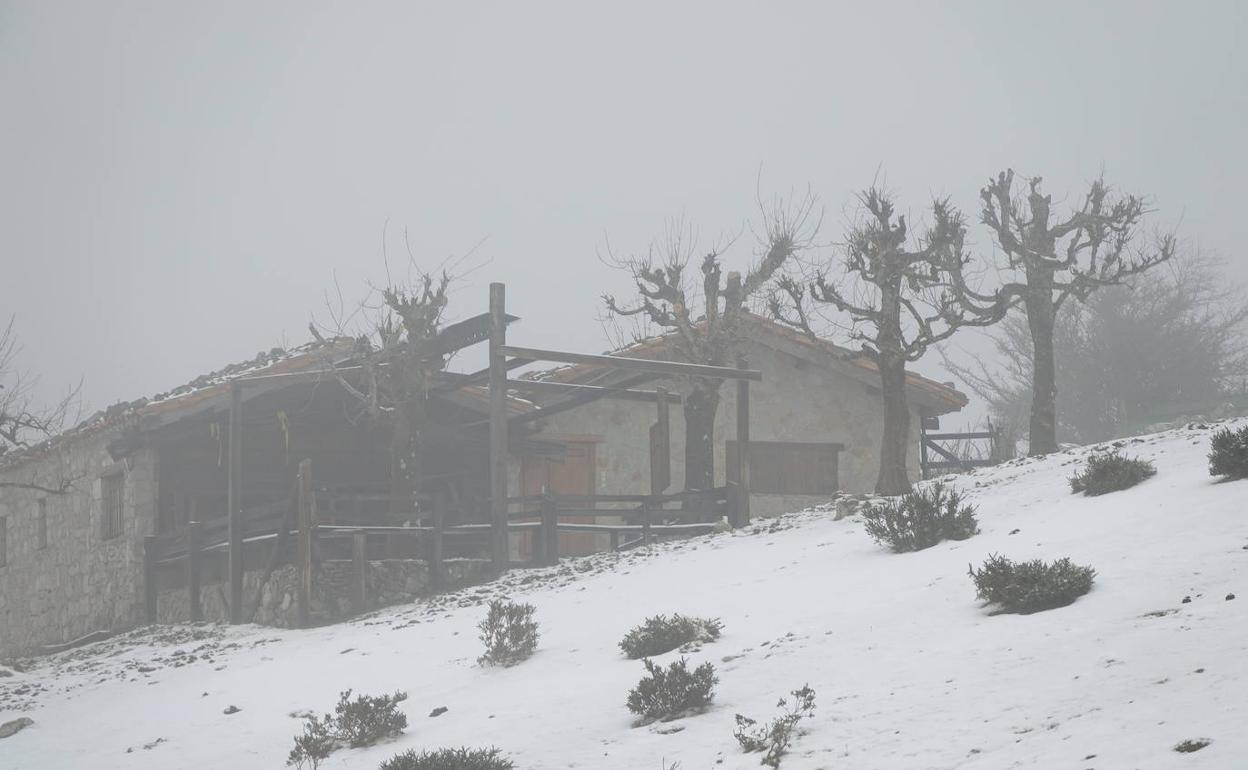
181, 182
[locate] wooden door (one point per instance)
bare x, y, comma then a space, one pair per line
571, 474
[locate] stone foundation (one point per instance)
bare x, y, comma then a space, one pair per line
389, 581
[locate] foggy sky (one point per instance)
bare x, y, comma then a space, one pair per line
181, 182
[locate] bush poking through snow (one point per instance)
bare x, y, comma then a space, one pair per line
661, 634
508, 632
363, 721
314, 745
449, 759
1031, 586
773, 738
1110, 472
1228, 453
920, 519
666, 694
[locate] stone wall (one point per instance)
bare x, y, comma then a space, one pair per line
389, 581
80, 582
796, 401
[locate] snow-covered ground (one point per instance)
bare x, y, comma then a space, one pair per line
910, 670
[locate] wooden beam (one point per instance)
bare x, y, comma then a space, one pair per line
742, 512
500, 551
150, 589
566, 388
579, 399
303, 553
194, 543
671, 368
661, 450
234, 505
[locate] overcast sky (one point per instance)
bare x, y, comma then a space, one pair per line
181, 182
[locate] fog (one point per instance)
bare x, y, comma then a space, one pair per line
182, 183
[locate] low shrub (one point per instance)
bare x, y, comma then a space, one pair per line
773, 738
1110, 472
449, 759
363, 721
508, 632
920, 519
1228, 453
1031, 586
315, 744
666, 694
661, 634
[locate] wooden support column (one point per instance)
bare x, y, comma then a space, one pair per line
234, 504
303, 552
194, 553
741, 511
548, 536
646, 535
359, 571
661, 447
437, 567
149, 578
500, 550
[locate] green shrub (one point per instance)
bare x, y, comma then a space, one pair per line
1031, 586
449, 759
508, 632
672, 692
1228, 455
920, 519
1110, 472
661, 634
773, 738
363, 721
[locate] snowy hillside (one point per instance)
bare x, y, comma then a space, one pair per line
910, 671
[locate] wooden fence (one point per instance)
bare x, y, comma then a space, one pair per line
325, 521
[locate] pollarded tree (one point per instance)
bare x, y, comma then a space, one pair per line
902, 296
703, 318
398, 358
1097, 245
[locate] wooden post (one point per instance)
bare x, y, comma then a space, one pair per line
234, 497
194, 544
548, 535
661, 447
359, 574
500, 550
149, 577
615, 540
741, 512
437, 568
645, 524
303, 558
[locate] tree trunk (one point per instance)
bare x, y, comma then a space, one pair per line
404, 461
1041, 315
701, 404
894, 478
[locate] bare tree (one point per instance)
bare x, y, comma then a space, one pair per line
1175, 343
703, 316
397, 358
23, 424
1097, 245
902, 297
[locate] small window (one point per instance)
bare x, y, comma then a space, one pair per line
112, 490
4, 540
789, 468
41, 525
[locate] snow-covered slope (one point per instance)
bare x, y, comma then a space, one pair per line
910, 671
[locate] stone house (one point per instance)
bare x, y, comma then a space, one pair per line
72, 564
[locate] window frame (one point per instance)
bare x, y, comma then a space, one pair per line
112, 504
4, 541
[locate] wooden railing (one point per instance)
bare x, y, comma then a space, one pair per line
319, 521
